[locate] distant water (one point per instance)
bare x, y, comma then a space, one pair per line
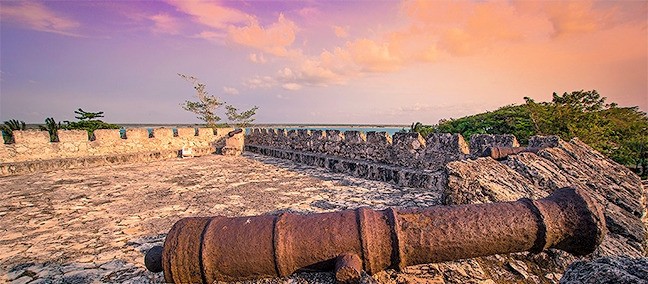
390, 130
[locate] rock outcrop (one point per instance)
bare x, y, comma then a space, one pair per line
531, 175
619, 270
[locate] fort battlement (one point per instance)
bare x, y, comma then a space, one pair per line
32, 147
406, 158
403, 149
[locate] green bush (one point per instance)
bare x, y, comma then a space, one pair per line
89, 125
621, 133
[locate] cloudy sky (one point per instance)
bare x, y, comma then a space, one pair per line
377, 62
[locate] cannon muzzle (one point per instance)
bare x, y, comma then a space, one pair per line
206, 249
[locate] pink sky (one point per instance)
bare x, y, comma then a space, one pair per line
315, 61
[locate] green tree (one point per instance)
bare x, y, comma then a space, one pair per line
424, 130
575, 114
620, 133
52, 127
243, 119
510, 119
88, 121
206, 105
8, 128
85, 115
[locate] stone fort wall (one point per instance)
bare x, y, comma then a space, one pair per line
31, 147
406, 158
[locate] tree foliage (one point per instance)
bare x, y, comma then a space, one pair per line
424, 130
52, 128
8, 127
506, 120
621, 133
243, 119
206, 105
87, 121
85, 115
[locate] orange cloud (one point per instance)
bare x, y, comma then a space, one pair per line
164, 23
274, 39
372, 56
211, 14
261, 82
291, 86
575, 17
436, 30
257, 58
341, 32
240, 28
463, 28
38, 17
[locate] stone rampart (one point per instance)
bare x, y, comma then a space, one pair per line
35, 146
407, 151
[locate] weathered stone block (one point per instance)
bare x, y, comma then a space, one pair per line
480, 142
334, 135
30, 137
317, 140
258, 136
379, 138
303, 133
206, 133
318, 135
234, 145
410, 141
186, 132
137, 134
443, 148
378, 146
72, 136
447, 144
354, 137
163, 133
107, 135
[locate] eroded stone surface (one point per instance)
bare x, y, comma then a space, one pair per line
620, 270
567, 164
94, 225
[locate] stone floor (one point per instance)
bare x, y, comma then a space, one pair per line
93, 225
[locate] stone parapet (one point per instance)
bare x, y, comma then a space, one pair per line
26, 167
409, 150
403, 150
365, 169
36, 145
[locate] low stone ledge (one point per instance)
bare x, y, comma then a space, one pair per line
374, 171
26, 167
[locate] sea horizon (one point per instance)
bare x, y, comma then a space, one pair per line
389, 128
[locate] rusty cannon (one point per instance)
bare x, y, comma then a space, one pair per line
499, 153
206, 249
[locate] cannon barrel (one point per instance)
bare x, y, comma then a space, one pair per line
499, 153
234, 132
205, 249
